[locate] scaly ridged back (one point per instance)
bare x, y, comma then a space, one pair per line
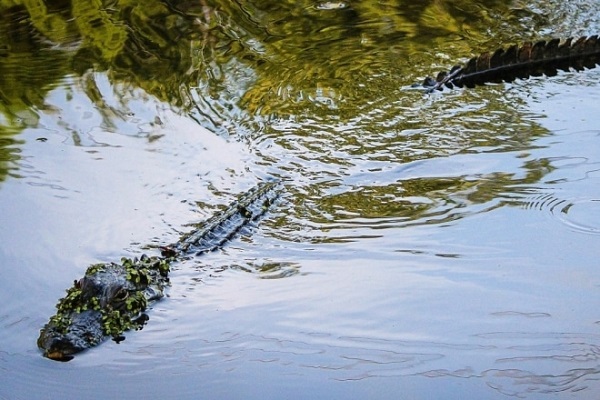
541, 58
222, 227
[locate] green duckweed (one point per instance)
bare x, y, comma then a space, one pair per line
122, 315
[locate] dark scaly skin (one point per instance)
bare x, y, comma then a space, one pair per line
111, 298
521, 62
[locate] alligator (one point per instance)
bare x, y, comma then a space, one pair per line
529, 59
112, 298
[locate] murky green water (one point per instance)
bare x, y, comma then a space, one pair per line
426, 246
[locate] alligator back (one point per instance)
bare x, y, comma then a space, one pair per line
213, 233
529, 59
112, 298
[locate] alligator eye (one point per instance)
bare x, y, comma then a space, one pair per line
79, 284
121, 295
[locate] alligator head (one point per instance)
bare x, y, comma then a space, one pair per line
110, 299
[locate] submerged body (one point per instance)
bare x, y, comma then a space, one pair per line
111, 298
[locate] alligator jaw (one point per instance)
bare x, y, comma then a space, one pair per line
58, 356
60, 350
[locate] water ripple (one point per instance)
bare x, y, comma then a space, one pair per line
582, 215
579, 214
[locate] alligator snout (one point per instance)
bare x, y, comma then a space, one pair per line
60, 343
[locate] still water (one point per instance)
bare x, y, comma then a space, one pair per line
439, 246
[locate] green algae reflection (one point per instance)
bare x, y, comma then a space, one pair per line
239, 68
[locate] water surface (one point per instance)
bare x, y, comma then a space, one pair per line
425, 246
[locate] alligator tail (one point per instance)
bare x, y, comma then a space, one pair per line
225, 225
529, 59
